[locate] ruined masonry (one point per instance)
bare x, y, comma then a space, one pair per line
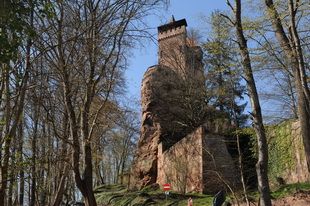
177, 146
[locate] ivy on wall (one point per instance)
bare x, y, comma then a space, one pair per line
284, 145
285, 150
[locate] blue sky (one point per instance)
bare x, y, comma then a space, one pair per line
147, 56
191, 10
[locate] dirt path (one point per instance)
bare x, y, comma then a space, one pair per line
298, 199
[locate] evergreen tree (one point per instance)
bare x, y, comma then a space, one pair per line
224, 88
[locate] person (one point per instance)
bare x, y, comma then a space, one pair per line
219, 198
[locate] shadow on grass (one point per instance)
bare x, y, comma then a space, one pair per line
152, 195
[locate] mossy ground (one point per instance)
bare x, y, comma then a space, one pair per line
119, 195
287, 190
290, 189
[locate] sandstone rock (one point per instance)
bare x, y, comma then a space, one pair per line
174, 147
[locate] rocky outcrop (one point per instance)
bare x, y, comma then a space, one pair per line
164, 119
173, 110
144, 171
173, 148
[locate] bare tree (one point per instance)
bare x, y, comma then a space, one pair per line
56, 89
262, 164
275, 69
86, 42
291, 45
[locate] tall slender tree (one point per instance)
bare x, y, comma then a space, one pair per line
14, 16
256, 115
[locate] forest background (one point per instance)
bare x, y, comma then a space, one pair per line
67, 121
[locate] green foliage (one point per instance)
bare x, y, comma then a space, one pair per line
290, 189
282, 149
13, 23
224, 90
250, 132
16, 26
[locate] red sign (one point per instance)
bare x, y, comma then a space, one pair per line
190, 202
166, 187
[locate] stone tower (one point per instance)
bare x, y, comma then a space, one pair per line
173, 128
177, 51
172, 45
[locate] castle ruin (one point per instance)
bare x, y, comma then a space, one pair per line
178, 143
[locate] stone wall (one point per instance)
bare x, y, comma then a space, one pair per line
299, 172
286, 154
144, 171
198, 163
219, 170
181, 165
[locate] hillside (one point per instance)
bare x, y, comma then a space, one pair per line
297, 194
118, 195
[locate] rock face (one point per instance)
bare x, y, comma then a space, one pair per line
165, 119
176, 144
144, 171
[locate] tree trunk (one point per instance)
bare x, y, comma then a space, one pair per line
262, 164
21, 172
61, 186
12, 121
64, 166
292, 97
84, 185
88, 171
240, 155
34, 158
10, 190
88, 177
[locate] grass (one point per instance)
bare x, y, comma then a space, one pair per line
290, 189
151, 195
118, 195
